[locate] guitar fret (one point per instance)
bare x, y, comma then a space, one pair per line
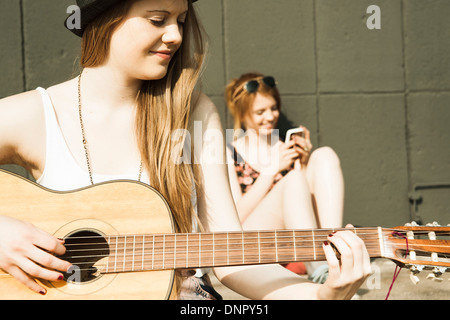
380, 239
199, 249
115, 255
187, 250
143, 251
243, 250
216, 249
314, 246
164, 250
153, 253
134, 247
295, 248
228, 248
276, 247
109, 257
259, 249
174, 249
124, 252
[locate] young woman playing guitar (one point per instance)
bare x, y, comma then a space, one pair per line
140, 63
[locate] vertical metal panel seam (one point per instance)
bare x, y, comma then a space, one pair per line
224, 61
316, 67
405, 101
22, 35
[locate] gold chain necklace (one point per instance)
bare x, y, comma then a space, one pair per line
85, 144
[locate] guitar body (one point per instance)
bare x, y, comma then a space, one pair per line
107, 209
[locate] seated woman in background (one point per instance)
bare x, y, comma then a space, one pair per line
278, 184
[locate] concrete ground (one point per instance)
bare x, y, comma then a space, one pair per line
377, 286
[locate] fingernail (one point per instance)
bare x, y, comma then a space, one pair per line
42, 292
330, 235
326, 243
61, 277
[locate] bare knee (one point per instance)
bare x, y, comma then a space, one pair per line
325, 156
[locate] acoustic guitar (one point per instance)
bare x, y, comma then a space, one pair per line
119, 237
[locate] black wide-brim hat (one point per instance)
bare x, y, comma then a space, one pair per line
89, 10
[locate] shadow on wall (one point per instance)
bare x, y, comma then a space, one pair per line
284, 124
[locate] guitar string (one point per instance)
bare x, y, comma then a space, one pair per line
281, 231
158, 239
161, 238
182, 256
217, 248
172, 263
160, 254
279, 234
192, 261
184, 261
176, 251
167, 238
193, 253
195, 242
397, 269
239, 234
217, 243
138, 251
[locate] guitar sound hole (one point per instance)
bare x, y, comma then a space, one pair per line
83, 250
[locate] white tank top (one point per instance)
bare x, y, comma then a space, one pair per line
61, 171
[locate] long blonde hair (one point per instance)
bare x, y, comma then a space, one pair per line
163, 106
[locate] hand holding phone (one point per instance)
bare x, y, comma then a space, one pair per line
296, 131
302, 146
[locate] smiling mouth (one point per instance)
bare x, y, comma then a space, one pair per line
163, 54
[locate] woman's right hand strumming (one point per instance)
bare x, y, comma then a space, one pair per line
28, 253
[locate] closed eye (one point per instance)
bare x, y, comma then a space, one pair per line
157, 22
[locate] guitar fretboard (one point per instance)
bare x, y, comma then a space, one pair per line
197, 250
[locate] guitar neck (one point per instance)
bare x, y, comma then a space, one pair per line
200, 250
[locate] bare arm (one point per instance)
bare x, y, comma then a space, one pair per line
246, 203
22, 142
22, 132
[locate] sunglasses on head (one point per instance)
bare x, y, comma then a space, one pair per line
253, 85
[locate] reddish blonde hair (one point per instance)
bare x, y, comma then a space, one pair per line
240, 102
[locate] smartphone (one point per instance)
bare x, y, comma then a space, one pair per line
295, 131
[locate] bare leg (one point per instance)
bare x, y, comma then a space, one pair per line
324, 175
267, 215
325, 179
297, 205
287, 205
